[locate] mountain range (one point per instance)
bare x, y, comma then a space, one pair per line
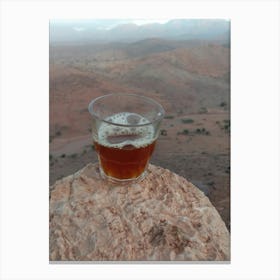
81, 31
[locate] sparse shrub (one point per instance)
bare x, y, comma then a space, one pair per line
187, 120
223, 104
50, 157
184, 132
58, 133
63, 156
73, 156
202, 131
226, 126
163, 132
84, 152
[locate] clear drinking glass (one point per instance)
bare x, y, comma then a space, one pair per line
124, 130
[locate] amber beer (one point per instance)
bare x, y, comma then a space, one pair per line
124, 152
124, 163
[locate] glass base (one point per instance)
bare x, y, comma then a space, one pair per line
121, 182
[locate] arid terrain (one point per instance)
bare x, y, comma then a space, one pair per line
190, 78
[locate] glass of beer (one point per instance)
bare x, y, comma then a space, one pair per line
124, 130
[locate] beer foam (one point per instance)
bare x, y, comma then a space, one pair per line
136, 136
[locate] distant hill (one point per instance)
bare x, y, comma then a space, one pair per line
184, 76
178, 29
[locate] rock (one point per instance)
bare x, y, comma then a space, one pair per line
162, 218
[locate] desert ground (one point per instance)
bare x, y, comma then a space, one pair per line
191, 79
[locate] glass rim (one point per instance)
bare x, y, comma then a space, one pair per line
160, 114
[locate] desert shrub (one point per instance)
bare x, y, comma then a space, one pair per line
169, 117
50, 157
63, 156
73, 156
223, 104
226, 126
58, 133
202, 131
184, 132
187, 120
163, 132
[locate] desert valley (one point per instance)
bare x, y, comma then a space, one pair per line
190, 77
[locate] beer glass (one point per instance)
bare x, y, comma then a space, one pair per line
124, 130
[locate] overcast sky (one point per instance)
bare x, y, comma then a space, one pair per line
105, 23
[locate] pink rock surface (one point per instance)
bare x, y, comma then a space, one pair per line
162, 218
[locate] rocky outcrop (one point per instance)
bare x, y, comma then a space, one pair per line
162, 218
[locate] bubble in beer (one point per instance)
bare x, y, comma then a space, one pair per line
133, 119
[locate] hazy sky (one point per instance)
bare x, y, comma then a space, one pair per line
106, 24
145, 21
